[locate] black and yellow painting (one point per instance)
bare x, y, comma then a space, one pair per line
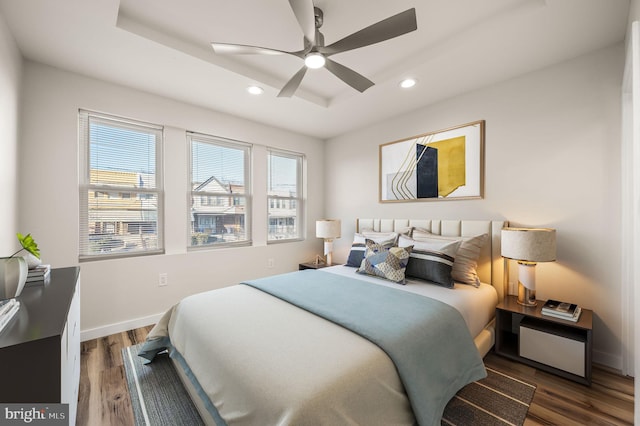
447, 164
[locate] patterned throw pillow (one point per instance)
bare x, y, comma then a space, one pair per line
466, 263
385, 262
431, 261
357, 253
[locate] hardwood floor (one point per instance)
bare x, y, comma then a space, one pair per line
104, 399
557, 401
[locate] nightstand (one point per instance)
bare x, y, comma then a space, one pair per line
554, 345
311, 265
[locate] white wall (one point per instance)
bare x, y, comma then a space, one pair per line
10, 75
126, 290
552, 159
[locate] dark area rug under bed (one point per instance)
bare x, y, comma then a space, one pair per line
158, 397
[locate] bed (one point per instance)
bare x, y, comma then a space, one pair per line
334, 346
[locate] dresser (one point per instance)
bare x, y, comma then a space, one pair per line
40, 347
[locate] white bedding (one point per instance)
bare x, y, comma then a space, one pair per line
264, 361
476, 304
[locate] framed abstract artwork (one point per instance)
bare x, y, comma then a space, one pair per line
443, 165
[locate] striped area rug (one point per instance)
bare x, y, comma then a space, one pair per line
498, 399
159, 398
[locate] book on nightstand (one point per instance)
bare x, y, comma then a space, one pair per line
563, 310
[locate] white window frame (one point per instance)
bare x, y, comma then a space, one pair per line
191, 194
85, 186
279, 201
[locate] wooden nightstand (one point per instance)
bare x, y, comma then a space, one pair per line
546, 343
311, 265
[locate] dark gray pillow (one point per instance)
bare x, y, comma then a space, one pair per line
431, 261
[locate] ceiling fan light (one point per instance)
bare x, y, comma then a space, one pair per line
314, 60
255, 90
408, 83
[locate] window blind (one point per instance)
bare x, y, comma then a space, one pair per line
121, 191
220, 207
284, 195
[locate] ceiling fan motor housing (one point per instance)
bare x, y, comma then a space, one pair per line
319, 15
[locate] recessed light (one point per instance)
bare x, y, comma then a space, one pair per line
255, 90
407, 83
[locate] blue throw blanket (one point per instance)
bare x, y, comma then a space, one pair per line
427, 340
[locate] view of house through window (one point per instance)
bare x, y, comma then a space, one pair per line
120, 187
220, 194
284, 195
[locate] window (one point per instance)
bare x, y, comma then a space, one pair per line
121, 193
284, 192
220, 193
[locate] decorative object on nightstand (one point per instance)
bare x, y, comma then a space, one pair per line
528, 246
311, 265
328, 229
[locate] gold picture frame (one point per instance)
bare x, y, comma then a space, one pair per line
443, 165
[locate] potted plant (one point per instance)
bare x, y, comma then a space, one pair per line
13, 269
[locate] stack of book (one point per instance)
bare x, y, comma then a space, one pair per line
563, 310
38, 274
8, 309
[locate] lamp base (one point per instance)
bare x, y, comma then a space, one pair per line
526, 297
328, 248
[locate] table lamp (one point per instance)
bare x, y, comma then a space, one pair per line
528, 246
329, 229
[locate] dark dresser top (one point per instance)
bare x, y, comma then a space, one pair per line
43, 309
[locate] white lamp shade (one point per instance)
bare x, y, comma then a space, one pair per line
329, 228
529, 244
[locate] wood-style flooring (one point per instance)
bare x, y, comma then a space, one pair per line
104, 399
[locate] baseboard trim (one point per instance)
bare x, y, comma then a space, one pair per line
96, 333
607, 359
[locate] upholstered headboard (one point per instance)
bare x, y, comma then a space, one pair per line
490, 264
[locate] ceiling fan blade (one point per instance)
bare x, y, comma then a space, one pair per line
349, 76
292, 85
394, 26
303, 9
241, 49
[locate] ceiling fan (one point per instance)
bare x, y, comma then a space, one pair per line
317, 55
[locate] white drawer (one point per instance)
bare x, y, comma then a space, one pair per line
562, 352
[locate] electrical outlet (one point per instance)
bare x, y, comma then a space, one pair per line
270, 263
163, 279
